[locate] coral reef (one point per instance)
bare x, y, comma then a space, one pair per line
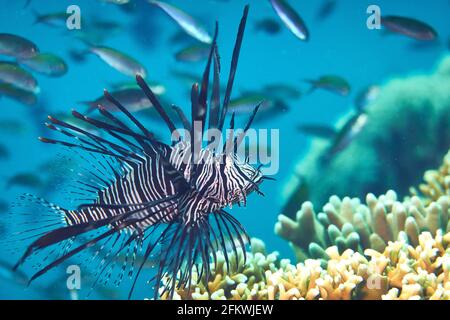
437, 182
241, 282
383, 249
400, 271
349, 224
407, 131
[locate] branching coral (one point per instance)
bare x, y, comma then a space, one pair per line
349, 224
400, 271
437, 182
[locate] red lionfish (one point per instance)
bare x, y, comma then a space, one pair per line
154, 193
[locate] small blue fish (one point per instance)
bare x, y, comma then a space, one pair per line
268, 25
409, 27
17, 46
25, 179
331, 83
193, 53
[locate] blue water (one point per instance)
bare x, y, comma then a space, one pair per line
341, 45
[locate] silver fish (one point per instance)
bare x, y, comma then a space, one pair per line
119, 61
193, 53
291, 19
46, 63
133, 99
351, 129
409, 27
185, 21
12, 73
19, 95
366, 96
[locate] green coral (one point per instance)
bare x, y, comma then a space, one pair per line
408, 131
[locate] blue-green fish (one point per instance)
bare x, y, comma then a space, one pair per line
12, 126
409, 27
4, 152
366, 97
4, 206
157, 88
26, 179
53, 19
326, 9
19, 95
46, 63
269, 107
133, 99
120, 61
268, 25
331, 83
282, 91
17, 46
291, 19
193, 53
12, 73
119, 2
318, 130
185, 21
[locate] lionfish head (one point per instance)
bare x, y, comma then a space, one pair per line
241, 178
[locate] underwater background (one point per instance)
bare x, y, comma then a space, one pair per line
339, 44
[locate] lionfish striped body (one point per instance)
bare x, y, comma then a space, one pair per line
172, 197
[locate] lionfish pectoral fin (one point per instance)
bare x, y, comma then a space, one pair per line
148, 251
193, 247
